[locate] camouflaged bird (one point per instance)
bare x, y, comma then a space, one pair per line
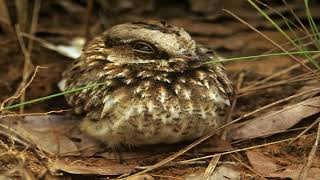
157, 86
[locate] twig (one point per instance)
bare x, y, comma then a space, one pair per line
246, 91
277, 74
28, 66
247, 166
35, 114
17, 94
234, 102
298, 20
240, 150
306, 129
88, 17
266, 134
210, 169
304, 172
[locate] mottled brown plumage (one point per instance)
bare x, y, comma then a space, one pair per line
157, 88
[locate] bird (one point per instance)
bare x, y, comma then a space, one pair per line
148, 83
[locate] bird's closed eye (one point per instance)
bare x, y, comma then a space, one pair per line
143, 47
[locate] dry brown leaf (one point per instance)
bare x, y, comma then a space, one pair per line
55, 134
276, 121
293, 173
46, 133
222, 173
81, 167
268, 167
261, 163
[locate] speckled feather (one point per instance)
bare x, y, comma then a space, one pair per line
166, 96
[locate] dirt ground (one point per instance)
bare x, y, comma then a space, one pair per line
37, 146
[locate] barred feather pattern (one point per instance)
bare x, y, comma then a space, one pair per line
147, 103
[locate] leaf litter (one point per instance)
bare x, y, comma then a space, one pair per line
56, 139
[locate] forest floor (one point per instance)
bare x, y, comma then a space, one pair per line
276, 108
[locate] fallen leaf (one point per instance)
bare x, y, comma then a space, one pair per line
294, 171
55, 134
261, 163
276, 121
222, 173
81, 167
268, 167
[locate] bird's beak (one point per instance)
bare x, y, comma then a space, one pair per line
187, 56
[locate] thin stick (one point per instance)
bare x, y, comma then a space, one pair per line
306, 130
88, 17
234, 102
247, 166
18, 93
239, 150
266, 134
35, 114
210, 169
28, 65
304, 172
277, 74
279, 83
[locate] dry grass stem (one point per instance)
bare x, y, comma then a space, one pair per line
240, 150
299, 21
235, 99
279, 73
19, 91
306, 129
246, 91
304, 172
247, 166
274, 43
35, 114
211, 167
268, 134
28, 65
88, 17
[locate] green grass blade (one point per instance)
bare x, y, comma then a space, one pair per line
312, 24
255, 57
283, 33
51, 96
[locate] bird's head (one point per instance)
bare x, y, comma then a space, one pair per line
153, 45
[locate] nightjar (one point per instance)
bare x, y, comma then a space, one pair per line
154, 85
